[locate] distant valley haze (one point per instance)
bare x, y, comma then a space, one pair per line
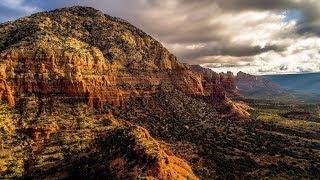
307, 83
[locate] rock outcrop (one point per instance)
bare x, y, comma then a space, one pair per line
131, 143
223, 92
62, 73
218, 86
83, 54
6, 93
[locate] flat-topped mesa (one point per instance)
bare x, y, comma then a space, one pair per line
83, 54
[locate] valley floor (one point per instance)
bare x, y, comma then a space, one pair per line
267, 146
270, 145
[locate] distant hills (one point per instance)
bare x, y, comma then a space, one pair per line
255, 86
302, 83
289, 87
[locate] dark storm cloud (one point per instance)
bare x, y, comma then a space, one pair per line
230, 50
255, 4
194, 26
310, 22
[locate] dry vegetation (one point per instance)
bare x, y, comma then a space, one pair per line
215, 146
55, 138
53, 132
80, 140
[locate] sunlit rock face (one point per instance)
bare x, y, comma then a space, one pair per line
223, 92
62, 75
85, 55
217, 85
57, 69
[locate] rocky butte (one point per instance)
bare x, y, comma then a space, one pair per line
82, 54
64, 73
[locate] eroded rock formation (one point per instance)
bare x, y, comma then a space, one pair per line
218, 86
59, 68
223, 91
153, 162
61, 54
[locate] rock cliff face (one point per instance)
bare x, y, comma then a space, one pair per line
154, 161
218, 86
62, 73
222, 90
6, 93
83, 54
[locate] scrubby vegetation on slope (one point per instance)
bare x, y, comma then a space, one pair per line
216, 146
67, 140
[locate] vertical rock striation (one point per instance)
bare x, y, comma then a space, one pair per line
59, 52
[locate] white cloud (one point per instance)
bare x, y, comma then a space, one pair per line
195, 46
13, 8
301, 56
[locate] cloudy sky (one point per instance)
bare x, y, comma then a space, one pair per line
254, 36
